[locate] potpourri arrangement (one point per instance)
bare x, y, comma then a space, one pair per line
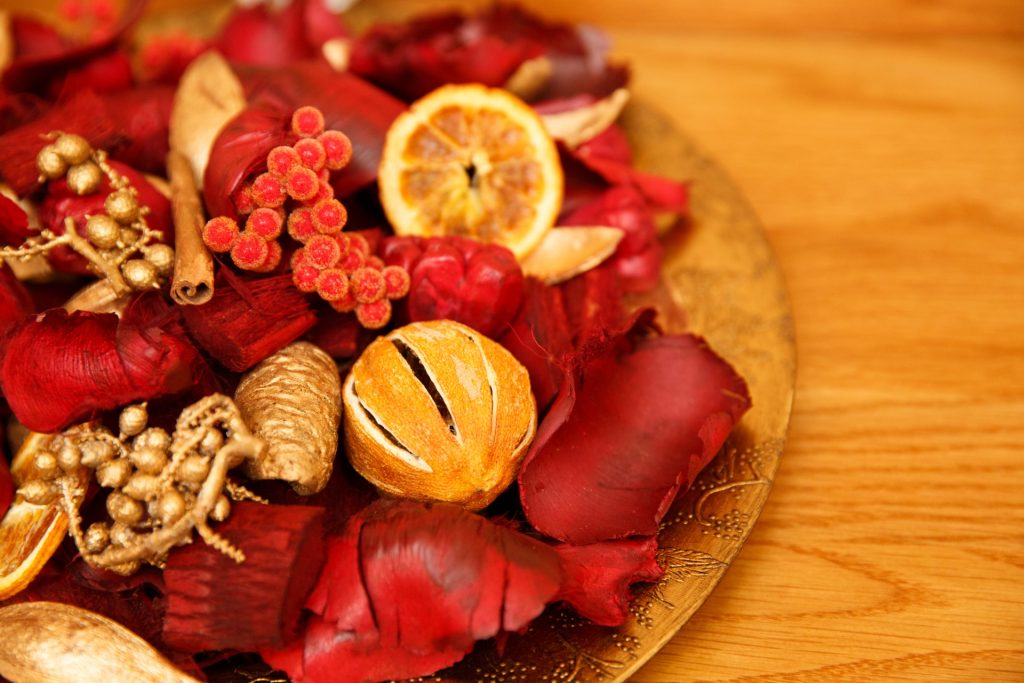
314, 344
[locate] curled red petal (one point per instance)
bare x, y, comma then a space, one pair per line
15, 302
59, 367
142, 116
598, 576
471, 578
263, 36
628, 431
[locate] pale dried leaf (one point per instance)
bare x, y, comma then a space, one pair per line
337, 52
579, 125
530, 79
6, 41
568, 252
208, 97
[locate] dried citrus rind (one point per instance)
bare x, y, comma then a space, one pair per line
472, 161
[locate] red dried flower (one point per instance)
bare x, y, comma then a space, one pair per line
337, 149
691, 398
472, 579
373, 315
300, 225
322, 251
267, 223
281, 160
332, 284
312, 153
59, 368
302, 184
329, 216
307, 122
250, 251
220, 234
15, 301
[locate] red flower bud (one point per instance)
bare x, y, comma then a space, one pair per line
281, 160
266, 223
322, 252
332, 284
396, 281
374, 315
329, 216
368, 285
338, 149
311, 152
268, 191
302, 184
300, 225
250, 251
220, 234
307, 122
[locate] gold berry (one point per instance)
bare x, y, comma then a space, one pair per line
149, 460
162, 258
50, 163
113, 474
73, 149
133, 419
212, 442
85, 178
139, 274
129, 236
97, 537
171, 507
221, 509
69, 457
37, 492
95, 453
122, 206
46, 464
103, 231
121, 534
154, 437
121, 508
142, 487
194, 469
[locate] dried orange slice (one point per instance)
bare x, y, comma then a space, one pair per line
29, 534
472, 161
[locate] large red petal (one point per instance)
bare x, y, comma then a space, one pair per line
637, 424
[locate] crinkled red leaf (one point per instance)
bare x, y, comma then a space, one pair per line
598, 576
349, 104
60, 203
142, 116
15, 302
632, 427
13, 222
260, 605
267, 37
410, 587
84, 113
456, 278
248, 319
638, 256
45, 67
593, 303
59, 368
163, 58
413, 58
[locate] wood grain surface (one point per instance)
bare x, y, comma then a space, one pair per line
882, 143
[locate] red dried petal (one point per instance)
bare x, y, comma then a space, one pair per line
164, 58
59, 368
601, 469
472, 580
15, 301
260, 605
261, 35
598, 577
247, 320
338, 335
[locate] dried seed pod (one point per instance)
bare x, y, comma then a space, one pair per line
292, 400
437, 411
48, 641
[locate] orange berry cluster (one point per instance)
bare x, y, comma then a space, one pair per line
341, 270
295, 191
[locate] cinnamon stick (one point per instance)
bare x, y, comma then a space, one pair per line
193, 266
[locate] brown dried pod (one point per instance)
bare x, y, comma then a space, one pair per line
437, 411
292, 400
52, 642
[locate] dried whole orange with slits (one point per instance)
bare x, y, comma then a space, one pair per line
472, 161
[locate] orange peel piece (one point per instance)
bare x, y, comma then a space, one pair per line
472, 161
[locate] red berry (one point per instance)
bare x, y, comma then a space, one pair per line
268, 191
300, 225
243, 200
329, 216
250, 251
367, 285
359, 243
374, 315
266, 223
302, 184
281, 160
273, 259
322, 252
305, 277
345, 304
298, 259
397, 282
332, 284
220, 233
324, 192
311, 153
375, 262
338, 148
351, 261
307, 122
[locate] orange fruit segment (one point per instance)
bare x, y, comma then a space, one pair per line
29, 534
472, 161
